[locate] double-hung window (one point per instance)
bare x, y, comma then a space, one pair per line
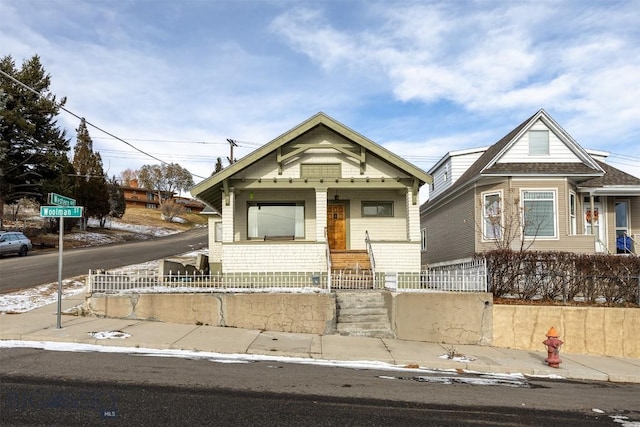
275, 219
539, 213
492, 216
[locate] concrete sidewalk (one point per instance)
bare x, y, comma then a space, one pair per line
40, 325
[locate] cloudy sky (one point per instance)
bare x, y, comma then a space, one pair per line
177, 78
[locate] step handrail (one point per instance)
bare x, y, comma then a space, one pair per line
328, 252
372, 260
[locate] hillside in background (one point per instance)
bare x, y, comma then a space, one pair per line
136, 224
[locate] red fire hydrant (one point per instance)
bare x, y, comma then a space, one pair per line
553, 344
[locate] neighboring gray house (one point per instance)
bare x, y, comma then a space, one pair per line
535, 188
320, 193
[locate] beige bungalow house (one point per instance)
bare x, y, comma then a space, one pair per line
317, 198
536, 189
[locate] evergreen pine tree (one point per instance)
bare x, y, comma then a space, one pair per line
91, 185
116, 199
32, 145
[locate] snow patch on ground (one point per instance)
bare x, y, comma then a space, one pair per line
146, 230
624, 421
29, 299
109, 335
458, 358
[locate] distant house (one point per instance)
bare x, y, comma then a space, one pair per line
319, 195
136, 196
190, 205
535, 188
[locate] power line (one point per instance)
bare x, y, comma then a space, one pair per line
86, 121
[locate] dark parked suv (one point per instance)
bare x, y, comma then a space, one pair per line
14, 242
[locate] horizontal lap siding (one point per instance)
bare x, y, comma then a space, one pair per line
382, 228
451, 230
397, 257
275, 257
558, 151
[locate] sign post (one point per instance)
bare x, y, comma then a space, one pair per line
66, 209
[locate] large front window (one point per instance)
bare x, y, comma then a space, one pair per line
492, 211
275, 220
539, 213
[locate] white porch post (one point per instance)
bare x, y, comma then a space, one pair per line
321, 213
413, 217
228, 225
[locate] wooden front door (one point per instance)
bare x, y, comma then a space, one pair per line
336, 227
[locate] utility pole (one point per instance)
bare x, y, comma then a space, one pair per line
232, 144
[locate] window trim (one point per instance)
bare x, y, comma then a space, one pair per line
217, 231
367, 203
423, 240
554, 201
485, 235
573, 213
539, 149
277, 203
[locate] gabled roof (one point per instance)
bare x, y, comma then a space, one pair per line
488, 165
208, 190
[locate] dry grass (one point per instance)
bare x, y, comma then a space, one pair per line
144, 216
33, 228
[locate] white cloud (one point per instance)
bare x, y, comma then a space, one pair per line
202, 72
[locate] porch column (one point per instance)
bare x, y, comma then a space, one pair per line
228, 225
413, 217
321, 213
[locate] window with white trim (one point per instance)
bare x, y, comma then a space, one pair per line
538, 142
492, 215
377, 209
270, 219
539, 210
573, 206
217, 232
423, 240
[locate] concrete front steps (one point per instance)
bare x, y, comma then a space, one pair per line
363, 314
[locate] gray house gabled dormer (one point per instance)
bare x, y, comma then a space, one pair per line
565, 197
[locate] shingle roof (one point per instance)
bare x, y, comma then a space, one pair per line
485, 166
540, 169
612, 177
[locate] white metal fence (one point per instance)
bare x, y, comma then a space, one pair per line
466, 276
469, 276
228, 282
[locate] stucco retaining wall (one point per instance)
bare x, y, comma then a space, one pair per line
302, 313
450, 318
584, 330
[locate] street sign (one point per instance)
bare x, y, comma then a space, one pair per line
56, 199
61, 211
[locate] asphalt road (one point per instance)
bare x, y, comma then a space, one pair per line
42, 266
66, 388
